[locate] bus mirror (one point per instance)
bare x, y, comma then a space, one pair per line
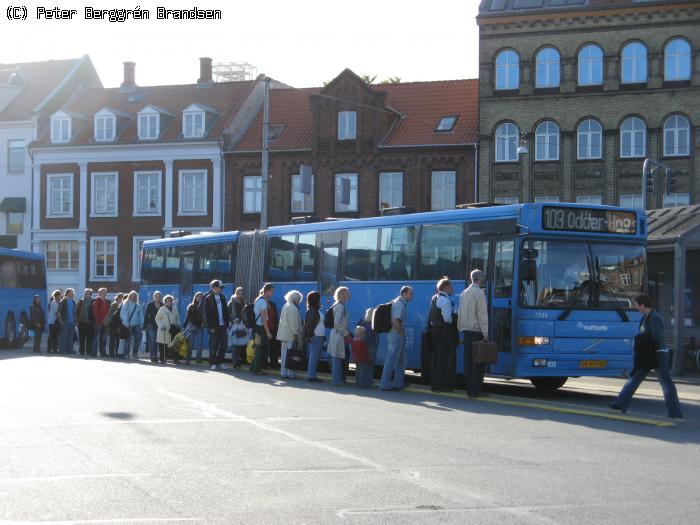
528, 270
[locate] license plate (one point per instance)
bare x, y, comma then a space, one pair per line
593, 364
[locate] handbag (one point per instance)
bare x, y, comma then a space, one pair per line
485, 353
296, 358
174, 330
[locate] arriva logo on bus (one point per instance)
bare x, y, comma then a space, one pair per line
592, 327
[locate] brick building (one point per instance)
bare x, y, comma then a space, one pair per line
591, 88
117, 166
368, 146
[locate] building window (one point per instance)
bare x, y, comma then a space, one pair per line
634, 63
60, 195
104, 258
346, 192
193, 124
547, 198
633, 134
590, 66
677, 60
193, 192
443, 190
390, 190
252, 194
15, 156
589, 199
147, 188
507, 137
149, 126
104, 194
506, 200
676, 136
104, 128
507, 70
60, 130
15, 222
547, 68
590, 140
547, 141
302, 202
347, 125
674, 200
631, 201
446, 124
62, 255
136, 257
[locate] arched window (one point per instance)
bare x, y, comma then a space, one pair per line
633, 135
507, 139
590, 140
676, 136
507, 70
547, 68
677, 60
634, 63
547, 141
590, 66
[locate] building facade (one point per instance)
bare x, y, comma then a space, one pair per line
575, 94
367, 147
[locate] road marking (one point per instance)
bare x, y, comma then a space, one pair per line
99, 422
115, 520
71, 476
313, 470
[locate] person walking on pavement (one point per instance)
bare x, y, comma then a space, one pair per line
395, 361
216, 317
86, 323
442, 330
66, 316
194, 324
149, 324
289, 330
167, 320
37, 320
473, 323
54, 323
339, 332
132, 317
314, 333
263, 335
100, 308
650, 324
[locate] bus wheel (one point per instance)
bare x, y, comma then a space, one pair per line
23, 336
10, 331
548, 383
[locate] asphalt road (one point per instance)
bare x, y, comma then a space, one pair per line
100, 441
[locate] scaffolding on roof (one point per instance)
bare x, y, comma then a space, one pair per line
233, 71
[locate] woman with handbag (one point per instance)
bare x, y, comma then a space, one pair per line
289, 330
194, 324
168, 322
239, 335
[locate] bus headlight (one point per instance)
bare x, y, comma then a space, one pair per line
533, 341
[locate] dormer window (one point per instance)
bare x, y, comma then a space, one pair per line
105, 126
60, 130
446, 123
193, 124
347, 125
148, 126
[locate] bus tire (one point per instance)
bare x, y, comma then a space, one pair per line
23, 335
10, 335
548, 383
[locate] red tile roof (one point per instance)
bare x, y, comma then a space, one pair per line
422, 104
41, 78
224, 97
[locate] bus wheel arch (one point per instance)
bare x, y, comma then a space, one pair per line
548, 383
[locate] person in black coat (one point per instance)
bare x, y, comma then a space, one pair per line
217, 318
37, 320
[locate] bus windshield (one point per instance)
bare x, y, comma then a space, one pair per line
583, 275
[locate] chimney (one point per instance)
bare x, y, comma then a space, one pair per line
129, 75
204, 71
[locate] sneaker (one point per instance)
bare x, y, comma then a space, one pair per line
212, 367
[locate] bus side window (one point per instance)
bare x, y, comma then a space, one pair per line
171, 273
441, 252
8, 273
152, 267
479, 256
398, 253
361, 255
306, 257
280, 262
503, 269
203, 264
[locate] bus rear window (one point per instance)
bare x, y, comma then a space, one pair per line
152, 266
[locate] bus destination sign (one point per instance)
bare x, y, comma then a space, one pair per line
590, 220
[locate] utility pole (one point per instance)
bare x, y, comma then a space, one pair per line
265, 155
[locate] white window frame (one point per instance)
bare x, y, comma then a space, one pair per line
671, 147
544, 135
135, 261
547, 198
347, 125
675, 200
675, 60
589, 199
105, 127
589, 134
507, 66
440, 188
511, 141
587, 65
252, 184
73, 265
506, 200
307, 201
144, 129
189, 129
634, 147
60, 130
49, 180
636, 199
549, 64
94, 211
388, 184
639, 72
93, 259
182, 208
13, 147
159, 177
354, 192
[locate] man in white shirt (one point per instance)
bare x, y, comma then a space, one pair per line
473, 322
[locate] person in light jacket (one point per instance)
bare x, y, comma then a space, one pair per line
289, 329
54, 322
166, 317
132, 317
473, 323
336, 342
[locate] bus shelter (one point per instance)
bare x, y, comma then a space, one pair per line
673, 249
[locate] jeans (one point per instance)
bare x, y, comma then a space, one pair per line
195, 338
151, 345
395, 362
336, 371
100, 339
473, 373
125, 344
260, 351
218, 339
314, 346
66, 337
86, 331
669, 389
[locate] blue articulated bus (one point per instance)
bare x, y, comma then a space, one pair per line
561, 278
22, 276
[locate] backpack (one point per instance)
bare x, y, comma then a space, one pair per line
328, 319
248, 315
435, 315
381, 318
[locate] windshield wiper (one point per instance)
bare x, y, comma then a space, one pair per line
575, 296
618, 307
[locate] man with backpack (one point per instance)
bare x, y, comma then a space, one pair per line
263, 334
444, 336
395, 361
216, 317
